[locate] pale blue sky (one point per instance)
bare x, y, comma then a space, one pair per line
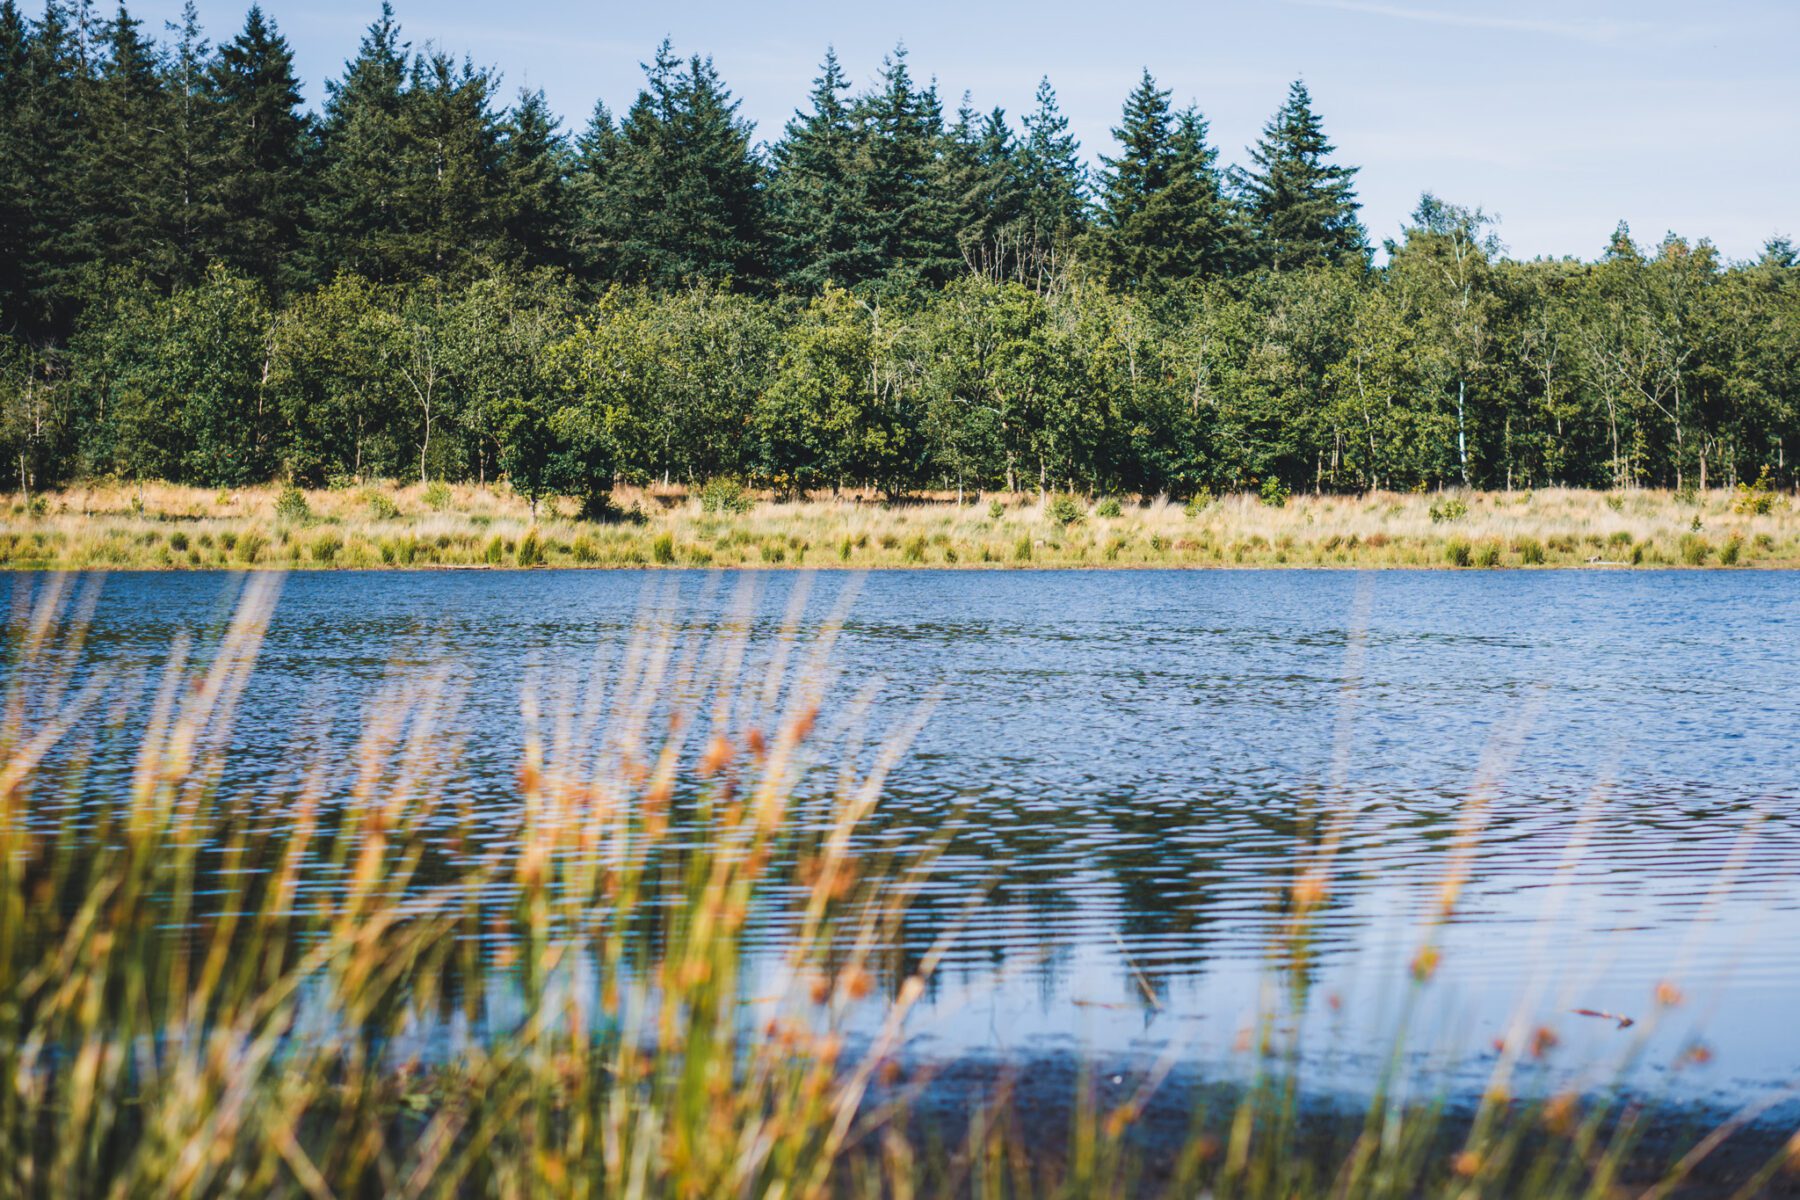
1562, 118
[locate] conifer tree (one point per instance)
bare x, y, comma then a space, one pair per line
983, 181
449, 190
815, 214
189, 148
1163, 217
1052, 178
1300, 206
537, 162
595, 150
907, 220
127, 155
258, 177
681, 197
357, 225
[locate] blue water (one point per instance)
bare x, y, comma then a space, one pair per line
1135, 759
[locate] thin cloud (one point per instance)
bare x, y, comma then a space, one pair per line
1585, 31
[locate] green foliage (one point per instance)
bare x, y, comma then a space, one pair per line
1531, 551
1695, 550
1754, 499
1066, 510
1488, 555
1615, 501
1108, 508
249, 545
1022, 549
913, 550
725, 495
1731, 551
996, 510
291, 507
437, 495
662, 548
531, 548
1274, 493
1458, 553
1453, 508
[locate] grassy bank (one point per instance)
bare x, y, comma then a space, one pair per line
211, 989
162, 526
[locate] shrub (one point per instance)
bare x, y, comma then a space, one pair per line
228, 540
996, 510
250, 545
1198, 503
496, 550
1022, 551
1639, 552
178, 541
1755, 499
1450, 509
381, 505
1066, 510
1274, 493
914, 551
662, 548
725, 495
846, 548
1458, 553
1620, 538
1158, 542
1488, 555
774, 552
1615, 501
531, 548
325, 548
1731, 550
1108, 508
437, 495
1531, 551
1764, 542
585, 550
1695, 550
39, 505
291, 507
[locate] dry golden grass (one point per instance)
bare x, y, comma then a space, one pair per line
168, 526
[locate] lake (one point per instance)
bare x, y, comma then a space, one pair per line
1134, 760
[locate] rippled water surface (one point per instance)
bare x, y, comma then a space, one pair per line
1133, 756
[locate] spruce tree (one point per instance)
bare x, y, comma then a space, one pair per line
259, 174
984, 185
814, 204
1300, 206
1163, 218
190, 149
357, 225
537, 162
449, 183
907, 219
681, 197
15, 182
595, 149
127, 155
1052, 178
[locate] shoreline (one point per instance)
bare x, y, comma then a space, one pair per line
387, 526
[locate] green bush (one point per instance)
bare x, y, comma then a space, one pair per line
1615, 501
178, 541
1695, 550
381, 505
1755, 499
996, 510
1022, 551
1458, 553
1108, 508
437, 495
1066, 510
39, 505
914, 550
1531, 551
585, 550
325, 548
662, 548
496, 550
1274, 493
291, 507
1731, 551
1488, 555
1198, 503
1449, 509
725, 495
531, 549
774, 552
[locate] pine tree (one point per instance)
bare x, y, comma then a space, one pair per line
537, 162
1301, 207
357, 225
190, 146
681, 197
259, 176
907, 220
595, 150
15, 182
984, 184
1053, 179
813, 201
1163, 216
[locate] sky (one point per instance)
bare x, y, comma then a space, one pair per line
1561, 119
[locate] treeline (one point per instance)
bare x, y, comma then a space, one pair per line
200, 281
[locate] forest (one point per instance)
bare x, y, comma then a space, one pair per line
204, 282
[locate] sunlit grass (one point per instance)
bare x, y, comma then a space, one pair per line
164, 526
